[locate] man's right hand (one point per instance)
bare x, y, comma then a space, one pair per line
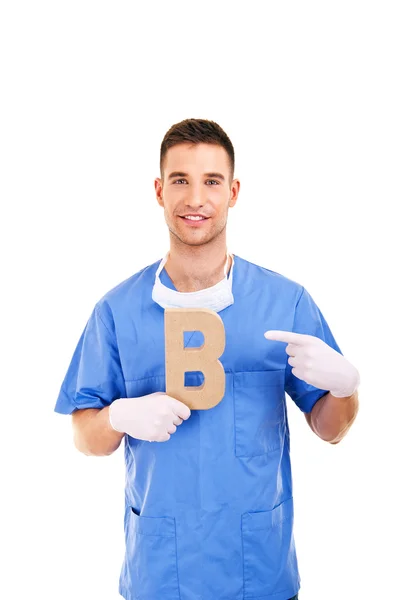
152, 418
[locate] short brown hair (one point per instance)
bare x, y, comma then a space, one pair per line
197, 131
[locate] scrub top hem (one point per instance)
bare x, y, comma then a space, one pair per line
284, 595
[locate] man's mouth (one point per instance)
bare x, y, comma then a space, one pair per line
194, 220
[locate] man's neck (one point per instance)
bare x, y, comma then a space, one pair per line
193, 268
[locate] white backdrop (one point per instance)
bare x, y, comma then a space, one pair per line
308, 93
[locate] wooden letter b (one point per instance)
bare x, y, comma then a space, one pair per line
180, 360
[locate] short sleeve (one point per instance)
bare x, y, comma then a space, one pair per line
308, 319
94, 377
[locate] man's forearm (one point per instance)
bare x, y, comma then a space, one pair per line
331, 417
93, 434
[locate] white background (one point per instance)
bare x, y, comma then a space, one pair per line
308, 93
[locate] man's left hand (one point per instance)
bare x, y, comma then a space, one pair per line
317, 363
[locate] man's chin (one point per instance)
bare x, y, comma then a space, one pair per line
191, 240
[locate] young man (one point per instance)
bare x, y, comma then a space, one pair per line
209, 507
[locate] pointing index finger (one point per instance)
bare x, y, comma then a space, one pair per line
285, 336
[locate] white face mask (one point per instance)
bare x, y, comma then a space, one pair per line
216, 298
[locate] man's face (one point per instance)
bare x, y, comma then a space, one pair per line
196, 181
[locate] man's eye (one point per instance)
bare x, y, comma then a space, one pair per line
177, 180
214, 181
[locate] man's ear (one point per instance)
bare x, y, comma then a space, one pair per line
158, 191
235, 188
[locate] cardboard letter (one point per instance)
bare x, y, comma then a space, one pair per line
179, 360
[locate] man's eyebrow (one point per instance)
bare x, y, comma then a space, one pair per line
181, 174
177, 174
216, 175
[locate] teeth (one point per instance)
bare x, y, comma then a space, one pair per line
194, 218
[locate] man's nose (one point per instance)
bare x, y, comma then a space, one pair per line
195, 197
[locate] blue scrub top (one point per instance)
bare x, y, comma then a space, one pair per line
208, 514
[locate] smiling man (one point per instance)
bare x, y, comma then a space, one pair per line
209, 509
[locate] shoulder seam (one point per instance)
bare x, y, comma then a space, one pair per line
101, 319
300, 296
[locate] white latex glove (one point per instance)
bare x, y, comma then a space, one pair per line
317, 363
152, 417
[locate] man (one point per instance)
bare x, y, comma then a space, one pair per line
209, 507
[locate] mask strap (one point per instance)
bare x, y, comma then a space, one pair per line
226, 265
161, 265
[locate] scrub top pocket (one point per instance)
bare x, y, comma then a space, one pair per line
270, 564
151, 558
259, 412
